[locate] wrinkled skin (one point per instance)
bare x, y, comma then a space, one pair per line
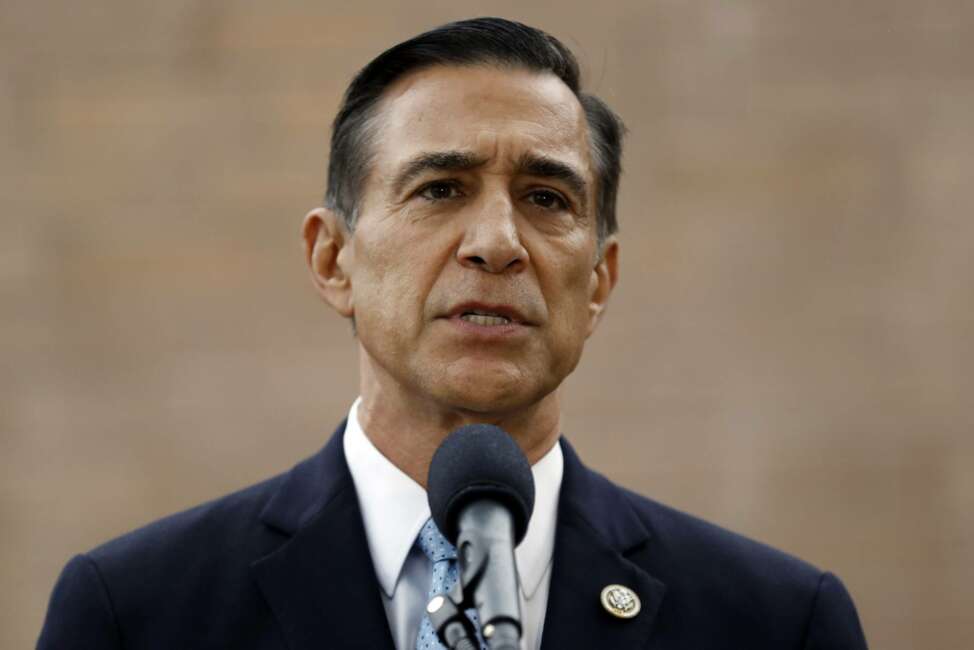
488, 230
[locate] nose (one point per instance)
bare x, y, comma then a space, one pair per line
491, 241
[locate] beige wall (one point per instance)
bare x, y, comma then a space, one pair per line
789, 352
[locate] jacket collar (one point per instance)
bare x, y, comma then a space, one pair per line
599, 541
320, 583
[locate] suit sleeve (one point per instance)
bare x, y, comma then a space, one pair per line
833, 623
80, 615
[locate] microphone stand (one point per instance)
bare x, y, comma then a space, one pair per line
452, 626
456, 631
495, 597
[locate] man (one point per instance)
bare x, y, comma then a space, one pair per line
469, 234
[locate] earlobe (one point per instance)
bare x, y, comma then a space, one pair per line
324, 237
604, 278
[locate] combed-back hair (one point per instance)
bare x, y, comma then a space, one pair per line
489, 41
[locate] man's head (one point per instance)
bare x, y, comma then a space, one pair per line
490, 41
466, 229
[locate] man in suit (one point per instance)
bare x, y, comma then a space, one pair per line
468, 233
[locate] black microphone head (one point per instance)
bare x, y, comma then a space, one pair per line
479, 461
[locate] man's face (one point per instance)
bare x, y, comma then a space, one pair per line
474, 270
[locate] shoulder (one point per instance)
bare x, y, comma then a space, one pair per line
144, 584
190, 552
188, 576
238, 527
230, 523
709, 548
720, 588
684, 544
745, 587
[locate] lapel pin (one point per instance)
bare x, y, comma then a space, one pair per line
620, 601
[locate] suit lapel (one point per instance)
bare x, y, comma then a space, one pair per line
321, 583
599, 541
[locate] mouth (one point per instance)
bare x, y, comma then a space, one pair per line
487, 315
486, 319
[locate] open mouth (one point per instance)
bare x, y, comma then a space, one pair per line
485, 318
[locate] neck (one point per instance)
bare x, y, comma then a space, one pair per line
407, 428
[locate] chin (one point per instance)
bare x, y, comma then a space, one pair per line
485, 404
489, 393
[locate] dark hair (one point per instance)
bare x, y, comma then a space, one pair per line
493, 41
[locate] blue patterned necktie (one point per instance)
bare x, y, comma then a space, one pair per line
443, 555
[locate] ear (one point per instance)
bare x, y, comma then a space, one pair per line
604, 278
325, 238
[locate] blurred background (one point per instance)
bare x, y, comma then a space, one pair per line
787, 354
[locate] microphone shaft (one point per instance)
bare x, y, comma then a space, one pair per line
486, 552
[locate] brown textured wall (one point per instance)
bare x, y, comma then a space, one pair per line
789, 352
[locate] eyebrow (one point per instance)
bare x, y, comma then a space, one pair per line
451, 161
528, 164
545, 167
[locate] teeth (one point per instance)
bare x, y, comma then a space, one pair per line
484, 319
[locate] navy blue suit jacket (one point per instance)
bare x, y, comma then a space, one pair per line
285, 564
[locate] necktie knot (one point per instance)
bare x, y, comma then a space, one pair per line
434, 545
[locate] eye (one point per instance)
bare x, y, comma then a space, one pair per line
440, 191
548, 200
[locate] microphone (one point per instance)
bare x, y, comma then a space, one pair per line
481, 495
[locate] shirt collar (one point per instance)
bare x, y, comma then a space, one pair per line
394, 509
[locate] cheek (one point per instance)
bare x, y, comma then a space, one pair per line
569, 304
392, 280
374, 281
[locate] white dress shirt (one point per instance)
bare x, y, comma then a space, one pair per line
394, 509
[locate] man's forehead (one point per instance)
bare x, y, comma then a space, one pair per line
489, 110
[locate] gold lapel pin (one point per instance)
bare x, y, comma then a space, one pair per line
620, 601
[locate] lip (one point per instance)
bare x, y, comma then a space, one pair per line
507, 311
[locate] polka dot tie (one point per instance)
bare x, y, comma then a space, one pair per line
443, 555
